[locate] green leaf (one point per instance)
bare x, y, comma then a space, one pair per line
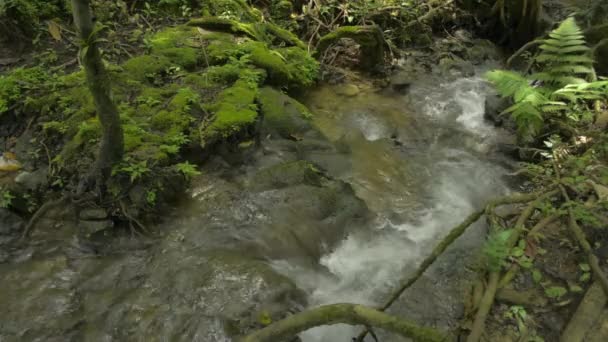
585, 277
584, 267
537, 276
555, 292
576, 289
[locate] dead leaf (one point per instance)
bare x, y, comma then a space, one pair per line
55, 30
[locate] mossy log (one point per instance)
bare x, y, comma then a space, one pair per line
346, 314
369, 37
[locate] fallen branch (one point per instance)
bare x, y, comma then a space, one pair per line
454, 234
346, 314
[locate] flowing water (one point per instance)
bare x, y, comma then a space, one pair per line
423, 162
400, 171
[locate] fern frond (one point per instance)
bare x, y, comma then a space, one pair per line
564, 49
510, 84
583, 59
564, 56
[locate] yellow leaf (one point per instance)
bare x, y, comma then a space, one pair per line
9, 165
264, 318
55, 30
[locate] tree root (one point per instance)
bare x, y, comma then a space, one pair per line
40, 213
343, 313
579, 234
454, 234
494, 277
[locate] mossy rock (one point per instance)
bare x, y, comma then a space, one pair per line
145, 67
179, 44
287, 174
283, 115
235, 112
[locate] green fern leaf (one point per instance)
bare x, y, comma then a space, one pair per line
564, 49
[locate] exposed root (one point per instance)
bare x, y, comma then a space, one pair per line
41, 212
347, 314
579, 234
494, 277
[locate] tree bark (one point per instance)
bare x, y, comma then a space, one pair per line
112, 141
343, 313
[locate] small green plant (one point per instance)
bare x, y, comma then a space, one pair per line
135, 170
151, 197
555, 292
6, 198
187, 169
496, 250
586, 269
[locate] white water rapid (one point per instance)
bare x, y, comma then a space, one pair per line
460, 176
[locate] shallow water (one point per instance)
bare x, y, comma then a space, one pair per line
398, 172
440, 170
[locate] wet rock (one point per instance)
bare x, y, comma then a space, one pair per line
348, 90
32, 180
481, 51
88, 228
456, 67
494, 106
10, 227
283, 175
93, 214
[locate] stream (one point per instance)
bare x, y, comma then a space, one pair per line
267, 234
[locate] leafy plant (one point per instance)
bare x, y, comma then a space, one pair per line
555, 292
135, 170
6, 198
187, 169
561, 89
496, 250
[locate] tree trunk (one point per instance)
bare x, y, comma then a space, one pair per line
112, 140
343, 313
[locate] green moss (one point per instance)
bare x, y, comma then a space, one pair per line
270, 60
178, 45
178, 116
17, 82
234, 112
144, 68
284, 36
303, 69
282, 114
221, 51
